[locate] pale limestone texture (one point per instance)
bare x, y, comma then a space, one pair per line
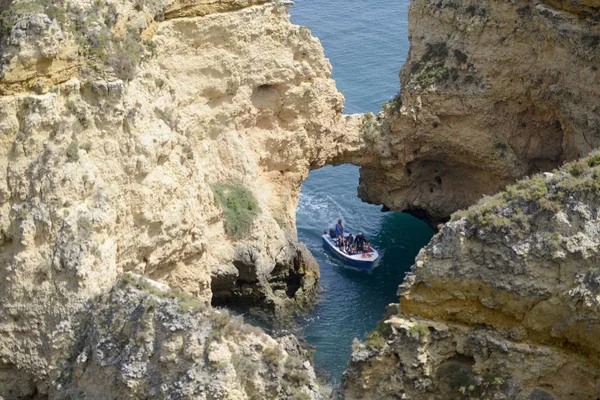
107, 165
100, 175
503, 303
139, 341
491, 92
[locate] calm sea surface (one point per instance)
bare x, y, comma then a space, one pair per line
367, 43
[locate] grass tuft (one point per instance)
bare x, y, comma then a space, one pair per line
239, 206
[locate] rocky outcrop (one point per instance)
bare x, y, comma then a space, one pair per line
490, 92
168, 139
145, 340
502, 303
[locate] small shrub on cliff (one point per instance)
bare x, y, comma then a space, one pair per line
128, 53
514, 211
396, 101
458, 379
436, 52
281, 222
460, 56
187, 302
245, 371
239, 206
298, 394
92, 28
577, 168
79, 113
430, 76
272, 357
295, 373
375, 340
371, 128
17, 10
419, 329
85, 225
73, 151
473, 9
71, 106
553, 241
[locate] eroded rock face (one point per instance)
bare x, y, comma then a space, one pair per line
143, 340
503, 303
490, 92
109, 159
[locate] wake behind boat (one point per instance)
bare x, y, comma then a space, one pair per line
362, 259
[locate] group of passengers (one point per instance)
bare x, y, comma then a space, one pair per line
349, 244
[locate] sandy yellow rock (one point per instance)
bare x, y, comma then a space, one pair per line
101, 175
490, 93
502, 299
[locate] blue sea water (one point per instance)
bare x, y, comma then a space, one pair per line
367, 43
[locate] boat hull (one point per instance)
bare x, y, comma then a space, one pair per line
360, 261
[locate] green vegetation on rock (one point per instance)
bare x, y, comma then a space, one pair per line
73, 151
513, 211
429, 76
141, 325
105, 47
395, 103
239, 206
459, 380
371, 127
17, 10
419, 329
436, 52
187, 302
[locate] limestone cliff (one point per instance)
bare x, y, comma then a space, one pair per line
142, 340
491, 91
165, 138
503, 303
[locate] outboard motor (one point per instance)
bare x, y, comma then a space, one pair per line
332, 231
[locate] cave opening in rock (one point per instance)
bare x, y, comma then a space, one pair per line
352, 301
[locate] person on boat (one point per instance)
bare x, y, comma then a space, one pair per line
360, 241
353, 250
339, 242
367, 248
339, 230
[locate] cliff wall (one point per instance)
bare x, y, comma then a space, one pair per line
502, 303
170, 139
144, 340
165, 138
490, 92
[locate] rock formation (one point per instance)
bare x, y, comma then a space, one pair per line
165, 138
491, 92
503, 303
170, 138
142, 340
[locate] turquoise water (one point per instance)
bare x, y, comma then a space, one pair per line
367, 44
352, 301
